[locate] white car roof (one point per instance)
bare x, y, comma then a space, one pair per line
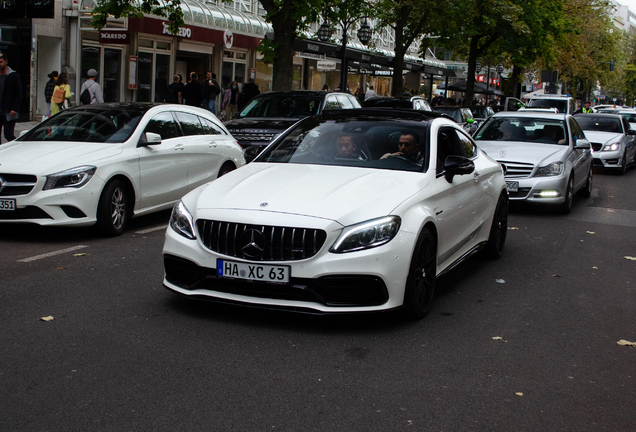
532, 114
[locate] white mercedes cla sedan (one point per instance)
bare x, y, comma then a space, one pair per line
350, 211
103, 164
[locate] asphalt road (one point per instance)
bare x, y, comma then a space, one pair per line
525, 343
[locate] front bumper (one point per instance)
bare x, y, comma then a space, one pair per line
542, 190
363, 281
608, 159
65, 206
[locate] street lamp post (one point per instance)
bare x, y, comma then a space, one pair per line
364, 35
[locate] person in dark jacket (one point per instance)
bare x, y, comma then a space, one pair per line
48, 91
10, 97
250, 91
192, 92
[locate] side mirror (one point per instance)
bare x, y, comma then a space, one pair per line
457, 165
631, 132
152, 138
582, 144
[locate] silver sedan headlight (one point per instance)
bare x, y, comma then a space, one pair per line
181, 221
366, 235
611, 147
71, 178
553, 169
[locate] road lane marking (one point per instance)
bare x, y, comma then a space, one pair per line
50, 254
146, 231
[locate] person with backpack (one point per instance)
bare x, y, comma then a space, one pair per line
61, 93
91, 92
174, 92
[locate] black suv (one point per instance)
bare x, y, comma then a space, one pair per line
269, 114
413, 102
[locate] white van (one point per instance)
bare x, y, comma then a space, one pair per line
564, 103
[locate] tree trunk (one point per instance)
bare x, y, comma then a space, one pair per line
470, 78
283, 70
397, 87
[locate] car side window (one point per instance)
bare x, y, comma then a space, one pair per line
448, 144
190, 124
332, 103
211, 128
164, 125
344, 101
577, 132
467, 145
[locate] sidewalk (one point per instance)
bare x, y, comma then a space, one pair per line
19, 127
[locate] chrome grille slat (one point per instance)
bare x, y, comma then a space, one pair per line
282, 243
517, 169
17, 184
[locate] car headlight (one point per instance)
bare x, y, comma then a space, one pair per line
553, 169
366, 235
611, 147
74, 177
181, 221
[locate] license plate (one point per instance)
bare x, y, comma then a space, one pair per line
512, 186
255, 272
7, 204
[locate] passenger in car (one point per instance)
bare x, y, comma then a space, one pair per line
552, 134
350, 147
408, 148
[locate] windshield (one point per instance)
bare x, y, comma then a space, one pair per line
560, 104
292, 106
389, 103
523, 129
589, 122
366, 143
108, 126
453, 112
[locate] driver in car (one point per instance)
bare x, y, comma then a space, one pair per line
348, 147
408, 148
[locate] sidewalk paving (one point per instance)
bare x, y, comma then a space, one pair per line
19, 127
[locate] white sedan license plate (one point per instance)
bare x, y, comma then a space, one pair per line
512, 186
7, 204
255, 272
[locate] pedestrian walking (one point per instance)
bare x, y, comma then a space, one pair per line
249, 92
369, 93
10, 97
61, 93
230, 99
48, 91
211, 90
94, 94
192, 92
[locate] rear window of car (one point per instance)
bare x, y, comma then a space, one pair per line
294, 106
560, 104
375, 144
107, 126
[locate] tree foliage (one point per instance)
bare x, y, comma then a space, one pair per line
170, 9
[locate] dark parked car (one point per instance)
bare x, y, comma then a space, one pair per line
269, 114
461, 115
481, 113
414, 102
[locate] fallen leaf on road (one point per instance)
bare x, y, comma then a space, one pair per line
519, 394
623, 342
497, 338
610, 211
79, 254
47, 318
556, 275
595, 267
500, 281
590, 232
513, 228
61, 268
630, 258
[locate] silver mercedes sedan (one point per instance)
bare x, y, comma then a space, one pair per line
546, 156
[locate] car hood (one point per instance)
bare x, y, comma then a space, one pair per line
343, 194
534, 153
47, 156
603, 137
260, 123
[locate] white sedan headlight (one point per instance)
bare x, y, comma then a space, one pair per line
366, 235
611, 147
181, 221
73, 178
553, 169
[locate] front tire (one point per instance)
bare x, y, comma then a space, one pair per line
566, 207
586, 192
420, 283
498, 230
623, 169
112, 211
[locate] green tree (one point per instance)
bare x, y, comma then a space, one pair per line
170, 9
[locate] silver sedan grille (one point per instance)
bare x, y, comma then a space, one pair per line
517, 169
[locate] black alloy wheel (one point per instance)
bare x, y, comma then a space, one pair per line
112, 211
566, 207
226, 168
498, 230
420, 283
